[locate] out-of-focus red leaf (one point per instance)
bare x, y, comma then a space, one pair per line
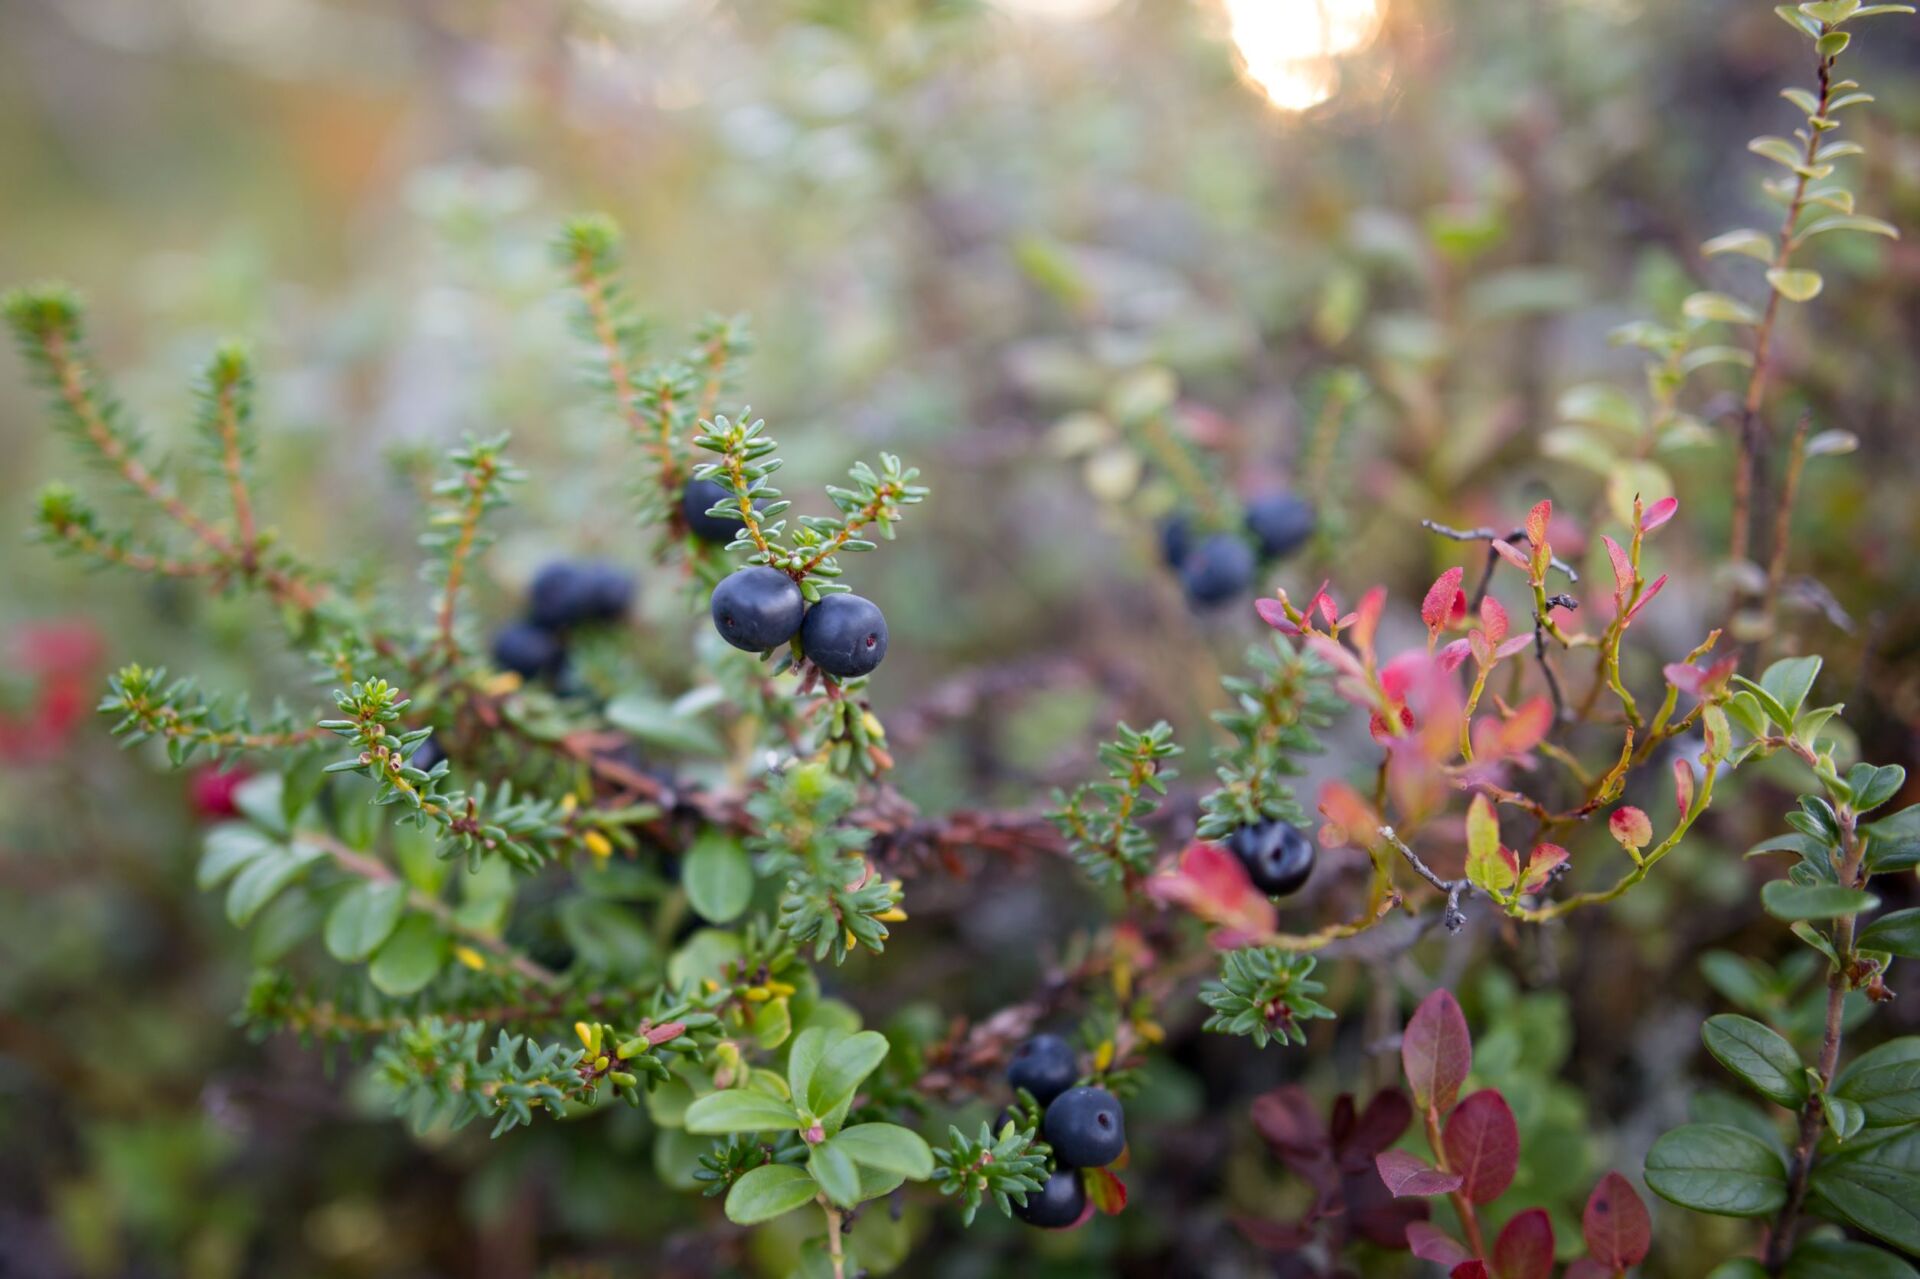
1350, 818
1430, 1243
1436, 1051
1288, 1120
1378, 1126
1106, 1192
1683, 785
1514, 556
1493, 620
1482, 1142
1646, 597
1274, 1236
1659, 513
1443, 600
1622, 570
1451, 656
1407, 1174
1210, 882
1468, 1270
1616, 1226
1366, 618
1544, 860
1274, 614
1524, 1249
1537, 520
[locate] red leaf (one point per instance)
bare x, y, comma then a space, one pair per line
1430, 1243
1617, 1228
1350, 819
1274, 614
1468, 1270
1483, 1145
1407, 1174
1287, 1118
1537, 520
1544, 860
1105, 1192
1442, 601
1524, 1249
1211, 882
1588, 1268
1683, 785
1514, 556
1512, 646
1436, 1051
1366, 618
1493, 620
1622, 569
1452, 655
1274, 1236
1631, 827
1659, 513
1646, 597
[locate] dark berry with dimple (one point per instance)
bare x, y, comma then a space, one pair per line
757, 608
1045, 1066
1056, 1205
700, 497
1280, 522
1085, 1127
1218, 569
1176, 539
527, 650
1278, 856
568, 593
844, 635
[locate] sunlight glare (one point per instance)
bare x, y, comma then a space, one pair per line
1287, 47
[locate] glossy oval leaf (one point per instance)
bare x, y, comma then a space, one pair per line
363, 919
769, 1191
411, 957
740, 1110
888, 1147
1759, 1056
1436, 1051
1482, 1142
718, 877
1786, 900
1710, 1168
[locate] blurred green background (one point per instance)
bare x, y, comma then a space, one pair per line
983, 235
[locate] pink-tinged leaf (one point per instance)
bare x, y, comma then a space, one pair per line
1289, 1121
1541, 863
665, 1031
1695, 682
1338, 656
1350, 819
1366, 618
1616, 1226
1399, 677
1527, 727
1430, 1243
1659, 513
1106, 1192
1451, 656
1443, 599
1646, 597
1537, 521
1274, 614
1468, 1270
1483, 1145
1514, 556
1437, 1052
1211, 882
1512, 646
1683, 785
1524, 1249
1630, 827
1588, 1268
1622, 570
1493, 620
1409, 1176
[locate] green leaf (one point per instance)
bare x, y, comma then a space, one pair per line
1787, 900
1795, 284
1844, 1259
740, 1110
803, 1058
607, 936
1875, 1187
1848, 222
1831, 12
769, 1191
1759, 1056
410, 959
842, 1068
1746, 241
1774, 711
1885, 1082
363, 918
1897, 932
1893, 842
1718, 308
1789, 680
1602, 405
1716, 1169
228, 847
718, 877
663, 724
834, 1170
1845, 1117
1833, 44
262, 878
888, 1147
1872, 786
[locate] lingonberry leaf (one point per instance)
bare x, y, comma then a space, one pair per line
1436, 1051
1408, 1174
1482, 1144
1615, 1225
1524, 1249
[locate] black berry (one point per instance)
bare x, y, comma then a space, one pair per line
1216, 570
1278, 856
844, 635
1085, 1127
566, 594
1044, 1066
757, 608
700, 497
1056, 1205
426, 755
1280, 522
527, 650
1176, 539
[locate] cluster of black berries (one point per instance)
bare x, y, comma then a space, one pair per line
1278, 856
1084, 1125
1219, 566
697, 504
760, 608
565, 596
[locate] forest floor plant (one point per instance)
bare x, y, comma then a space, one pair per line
1515, 725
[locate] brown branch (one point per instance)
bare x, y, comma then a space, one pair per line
227, 416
